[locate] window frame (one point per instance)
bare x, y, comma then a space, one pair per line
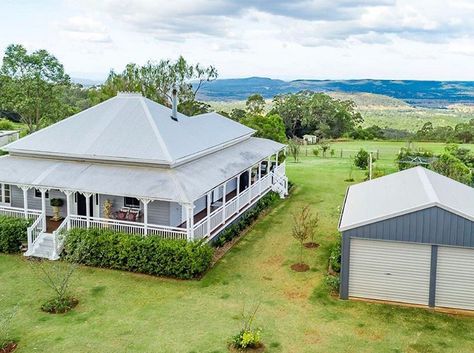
131, 205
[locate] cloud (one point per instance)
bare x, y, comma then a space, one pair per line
307, 22
85, 29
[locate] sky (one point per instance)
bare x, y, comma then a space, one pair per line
291, 39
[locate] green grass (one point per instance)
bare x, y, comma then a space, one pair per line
124, 312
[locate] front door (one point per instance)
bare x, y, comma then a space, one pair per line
81, 205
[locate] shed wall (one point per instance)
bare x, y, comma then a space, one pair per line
433, 226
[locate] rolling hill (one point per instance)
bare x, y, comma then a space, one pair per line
436, 94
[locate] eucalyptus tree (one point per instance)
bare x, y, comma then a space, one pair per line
33, 85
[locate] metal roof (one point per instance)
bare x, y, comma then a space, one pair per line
131, 128
404, 192
184, 183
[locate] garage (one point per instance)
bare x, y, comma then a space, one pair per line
382, 270
408, 237
455, 278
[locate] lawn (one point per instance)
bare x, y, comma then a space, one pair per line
124, 312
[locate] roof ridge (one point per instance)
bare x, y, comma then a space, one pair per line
155, 129
427, 185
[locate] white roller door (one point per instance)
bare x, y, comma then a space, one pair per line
455, 278
390, 271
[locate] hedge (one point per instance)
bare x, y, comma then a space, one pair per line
246, 219
13, 232
335, 255
151, 255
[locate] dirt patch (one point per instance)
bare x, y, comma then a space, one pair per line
300, 267
8, 348
259, 349
293, 295
311, 245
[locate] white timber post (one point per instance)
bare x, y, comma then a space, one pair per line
25, 200
276, 160
43, 208
260, 177
190, 223
238, 193
145, 215
208, 204
88, 208
68, 194
224, 196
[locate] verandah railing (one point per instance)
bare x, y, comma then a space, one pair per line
233, 207
127, 227
19, 212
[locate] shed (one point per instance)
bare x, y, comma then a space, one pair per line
408, 237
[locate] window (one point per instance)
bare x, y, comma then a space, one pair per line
131, 202
5, 193
38, 194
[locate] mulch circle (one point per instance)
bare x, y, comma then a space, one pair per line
259, 349
72, 304
311, 245
300, 267
10, 347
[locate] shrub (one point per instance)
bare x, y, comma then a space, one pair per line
59, 305
13, 232
332, 283
151, 255
6, 125
335, 256
248, 336
246, 219
316, 151
361, 159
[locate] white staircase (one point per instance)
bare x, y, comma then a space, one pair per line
43, 247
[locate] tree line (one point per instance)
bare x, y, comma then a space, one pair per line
35, 89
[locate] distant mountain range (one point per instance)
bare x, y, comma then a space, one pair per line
437, 94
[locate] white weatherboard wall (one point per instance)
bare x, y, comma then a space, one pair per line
455, 278
392, 271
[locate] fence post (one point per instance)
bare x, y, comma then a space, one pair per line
341, 152
378, 154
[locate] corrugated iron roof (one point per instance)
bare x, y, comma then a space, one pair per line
184, 183
131, 128
404, 192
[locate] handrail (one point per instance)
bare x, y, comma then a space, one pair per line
57, 242
125, 223
31, 231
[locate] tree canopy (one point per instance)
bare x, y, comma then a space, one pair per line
34, 86
316, 114
155, 81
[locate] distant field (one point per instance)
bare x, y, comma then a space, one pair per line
385, 111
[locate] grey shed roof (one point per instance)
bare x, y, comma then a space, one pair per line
184, 183
131, 128
404, 192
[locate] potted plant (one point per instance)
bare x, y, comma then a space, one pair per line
56, 204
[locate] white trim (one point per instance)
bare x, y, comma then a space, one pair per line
403, 213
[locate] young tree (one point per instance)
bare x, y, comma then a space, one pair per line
304, 228
294, 148
361, 159
33, 85
324, 147
255, 104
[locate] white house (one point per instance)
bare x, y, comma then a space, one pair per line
136, 166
